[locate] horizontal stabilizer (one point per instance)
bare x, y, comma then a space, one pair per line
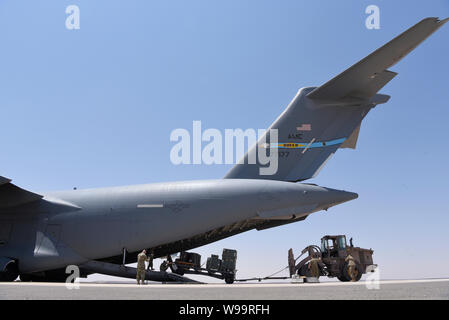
13, 196
365, 78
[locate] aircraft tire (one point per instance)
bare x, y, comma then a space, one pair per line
229, 279
26, 278
10, 273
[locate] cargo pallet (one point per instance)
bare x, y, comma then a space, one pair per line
190, 263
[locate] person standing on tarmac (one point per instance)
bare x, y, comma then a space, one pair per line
351, 267
150, 261
313, 267
141, 258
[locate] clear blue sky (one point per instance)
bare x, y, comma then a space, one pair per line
95, 107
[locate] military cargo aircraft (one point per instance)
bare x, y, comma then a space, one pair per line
42, 233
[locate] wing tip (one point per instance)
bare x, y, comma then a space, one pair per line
435, 19
442, 22
439, 22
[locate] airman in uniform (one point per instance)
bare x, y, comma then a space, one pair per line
313, 267
141, 258
150, 261
351, 267
164, 266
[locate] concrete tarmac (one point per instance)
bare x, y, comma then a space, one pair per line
400, 289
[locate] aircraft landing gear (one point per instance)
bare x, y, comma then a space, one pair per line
9, 273
229, 279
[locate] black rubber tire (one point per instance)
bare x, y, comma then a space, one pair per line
304, 271
10, 273
342, 279
229, 279
179, 271
344, 273
359, 272
26, 278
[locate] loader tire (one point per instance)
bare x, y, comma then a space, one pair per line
345, 277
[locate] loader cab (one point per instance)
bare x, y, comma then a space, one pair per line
334, 246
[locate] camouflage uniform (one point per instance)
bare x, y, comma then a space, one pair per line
313, 266
351, 267
141, 258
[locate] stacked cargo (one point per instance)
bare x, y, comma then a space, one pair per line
225, 268
190, 258
229, 260
213, 263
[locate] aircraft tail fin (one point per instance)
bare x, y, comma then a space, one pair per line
309, 133
321, 120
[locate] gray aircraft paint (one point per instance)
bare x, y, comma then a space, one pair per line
104, 221
47, 231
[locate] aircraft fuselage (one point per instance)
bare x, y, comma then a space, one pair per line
73, 227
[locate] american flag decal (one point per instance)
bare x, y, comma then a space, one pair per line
305, 127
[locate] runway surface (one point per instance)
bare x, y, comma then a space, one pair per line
401, 289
